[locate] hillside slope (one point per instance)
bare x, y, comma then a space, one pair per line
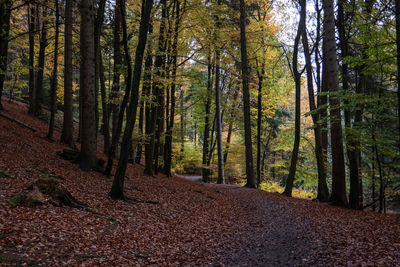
173, 221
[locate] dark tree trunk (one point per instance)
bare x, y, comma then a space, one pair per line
158, 88
117, 189
206, 134
246, 98
99, 75
104, 106
5, 13
170, 124
221, 176
124, 104
114, 96
68, 126
54, 79
398, 63
149, 130
330, 59
297, 80
38, 92
323, 191
31, 25
87, 80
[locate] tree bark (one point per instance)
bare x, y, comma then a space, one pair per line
206, 134
323, 191
5, 13
114, 96
246, 98
68, 126
117, 189
54, 79
170, 128
125, 100
88, 131
31, 25
330, 59
38, 92
99, 75
297, 79
397, 3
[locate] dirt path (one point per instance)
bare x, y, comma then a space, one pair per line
268, 236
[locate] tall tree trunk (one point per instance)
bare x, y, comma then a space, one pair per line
68, 126
125, 100
117, 189
220, 149
39, 90
5, 13
259, 117
398, 64
323, 191
330, 59
87, 80
157, 93
104, 106
170, 128
149, 131
206, 134
54, 79
114, 96
97, 50
31, 25
297, 80
246, 98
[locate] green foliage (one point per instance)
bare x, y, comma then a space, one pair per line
188, 162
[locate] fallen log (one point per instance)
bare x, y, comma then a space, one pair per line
18, 122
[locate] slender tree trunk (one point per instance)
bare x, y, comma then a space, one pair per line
97, 50
297, 80
330, 58
104, 106
68, 126
246, 98
149, 131
31, 25
39, 90
259, 117
5, 13
54, 79
114, 96
205, 168
87, 80
170, 130
398, 64
117, 189
157, 93
323, 191
125, 100
220, 149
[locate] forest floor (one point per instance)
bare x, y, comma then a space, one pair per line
172, 221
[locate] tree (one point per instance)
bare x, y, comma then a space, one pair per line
68, 125
338, 196
54, 79
246, 98
323, 191
297, 79
117, 189
5, 13
87, 87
